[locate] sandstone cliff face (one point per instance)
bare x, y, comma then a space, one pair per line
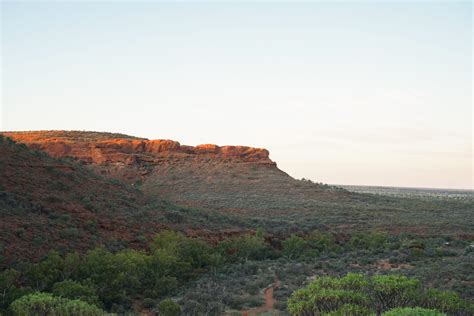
104, 148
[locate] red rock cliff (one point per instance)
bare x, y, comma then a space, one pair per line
108, 148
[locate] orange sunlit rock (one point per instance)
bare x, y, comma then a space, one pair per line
102, 148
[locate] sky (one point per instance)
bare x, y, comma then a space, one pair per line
362, 93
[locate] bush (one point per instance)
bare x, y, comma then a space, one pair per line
350, 310
356, 294
417, 311
444, 301
393, 291
148, 303
168, 307
9, 289
245, 248
294, 247
74, 290
328, 294
321, 242
46, 304
370, 240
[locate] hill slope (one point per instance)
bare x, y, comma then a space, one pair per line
50, 203
245, 185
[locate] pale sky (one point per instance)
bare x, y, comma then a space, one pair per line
344, 93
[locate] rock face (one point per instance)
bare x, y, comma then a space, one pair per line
234, 179
105, 148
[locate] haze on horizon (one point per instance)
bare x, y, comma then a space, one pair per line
349, 93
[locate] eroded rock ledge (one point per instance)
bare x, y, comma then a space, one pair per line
107, 148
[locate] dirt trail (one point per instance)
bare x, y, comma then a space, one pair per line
269, 301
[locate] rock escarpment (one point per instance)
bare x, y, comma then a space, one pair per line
235, 179
107, 148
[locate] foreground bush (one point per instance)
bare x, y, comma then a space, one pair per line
74, 290
357, 294
46, 304
169, 307
417, 311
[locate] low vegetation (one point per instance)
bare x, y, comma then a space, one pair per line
75, 242
379, 294
181, 274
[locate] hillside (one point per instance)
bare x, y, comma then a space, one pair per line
245, 185
51, 203
135, 222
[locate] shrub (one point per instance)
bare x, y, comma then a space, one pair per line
321, 242
74, 290
245, 248
46, 304
148, 302
328, 294
356, 294
350, 310
444, 301
409, 311
393, 291
370, 240
168, 307
294, 247
9, 289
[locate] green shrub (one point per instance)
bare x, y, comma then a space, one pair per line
9, 289
409, 311
75, 290
370, 240
148, 302
168, 307
350, 310
444, 301
356, 294
328, 294
46, 304
393, 291
245, 248
294, 247
321, 242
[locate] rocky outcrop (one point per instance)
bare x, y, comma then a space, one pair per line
105, 148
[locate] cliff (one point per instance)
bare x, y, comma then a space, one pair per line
109, 148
